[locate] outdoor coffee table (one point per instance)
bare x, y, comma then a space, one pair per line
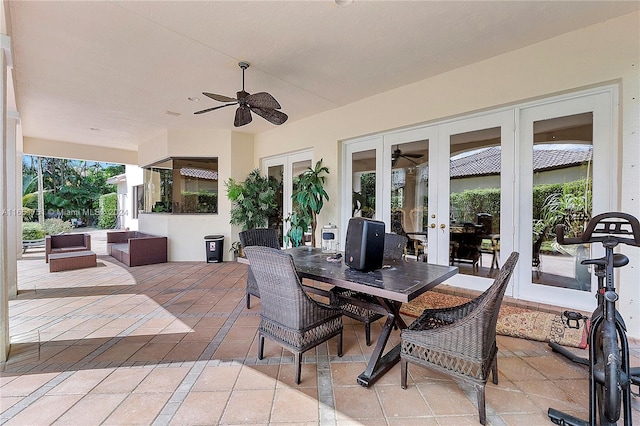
396, 283
72, 260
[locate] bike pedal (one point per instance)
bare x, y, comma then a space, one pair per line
573, 318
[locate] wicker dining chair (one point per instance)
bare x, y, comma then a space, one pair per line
394, 247
459, 341
288, 315
265, 237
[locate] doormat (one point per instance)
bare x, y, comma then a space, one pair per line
512, 320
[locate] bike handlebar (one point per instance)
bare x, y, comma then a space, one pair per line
622, 227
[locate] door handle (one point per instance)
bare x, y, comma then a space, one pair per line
433, 225
442, 226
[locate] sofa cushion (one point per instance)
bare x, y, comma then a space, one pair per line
123, 247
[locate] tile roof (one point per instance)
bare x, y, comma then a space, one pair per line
199, 173
486, 161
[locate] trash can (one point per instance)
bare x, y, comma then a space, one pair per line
214, 246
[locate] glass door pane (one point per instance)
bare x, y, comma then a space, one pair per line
297, 167
410, 195
363, 184
562, 195
276, 173
474, 201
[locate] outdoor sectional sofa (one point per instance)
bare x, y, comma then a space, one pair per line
66, 243
134, 248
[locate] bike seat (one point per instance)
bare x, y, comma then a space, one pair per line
619, 260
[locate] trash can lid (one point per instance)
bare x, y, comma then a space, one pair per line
213, 237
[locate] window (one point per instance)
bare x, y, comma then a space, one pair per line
181, 185
138, 200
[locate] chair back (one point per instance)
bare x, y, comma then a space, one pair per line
491, 299
265, 237
282, 297
486, 221
394, 245
537, 245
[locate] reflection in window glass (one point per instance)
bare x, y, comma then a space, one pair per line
182, 185
275, 174
138, 200
474, 209
364, 184
562, 191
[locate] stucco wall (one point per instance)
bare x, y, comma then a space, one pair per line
186, 232
601, 54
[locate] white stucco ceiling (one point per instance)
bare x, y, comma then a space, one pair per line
118, 67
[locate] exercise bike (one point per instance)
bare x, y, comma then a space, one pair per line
610, 378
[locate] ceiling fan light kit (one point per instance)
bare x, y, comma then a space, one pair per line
261, 103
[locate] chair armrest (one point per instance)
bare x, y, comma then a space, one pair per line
47, 248
117, 237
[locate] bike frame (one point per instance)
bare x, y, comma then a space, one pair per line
609, 378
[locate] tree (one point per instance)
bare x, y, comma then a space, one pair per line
71, 188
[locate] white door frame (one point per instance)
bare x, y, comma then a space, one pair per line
349, 148
287, 161
602, 104
504, 120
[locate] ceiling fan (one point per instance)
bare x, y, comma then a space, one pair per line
397, 153
261, 103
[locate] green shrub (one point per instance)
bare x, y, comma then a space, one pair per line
465, 205
32, 231
107, 211
28, 214
56, 226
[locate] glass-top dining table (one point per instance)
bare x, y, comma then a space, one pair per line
396, 283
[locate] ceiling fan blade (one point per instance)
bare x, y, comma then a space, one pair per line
214, 108
243, 116
262, 100
406, 157
219, 98
271, 115
412, 155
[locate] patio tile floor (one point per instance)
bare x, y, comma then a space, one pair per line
173, 344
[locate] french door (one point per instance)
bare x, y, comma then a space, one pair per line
470, 191
579, 132
474, 212
405, 178
283, 169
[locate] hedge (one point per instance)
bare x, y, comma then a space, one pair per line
107, 211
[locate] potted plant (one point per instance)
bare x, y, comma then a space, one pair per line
310, 195
299, 222
254, 200
236, 248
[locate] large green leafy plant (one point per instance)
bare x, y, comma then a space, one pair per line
309, 196
254, 200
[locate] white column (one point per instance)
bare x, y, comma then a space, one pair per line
4, 259
14, 205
